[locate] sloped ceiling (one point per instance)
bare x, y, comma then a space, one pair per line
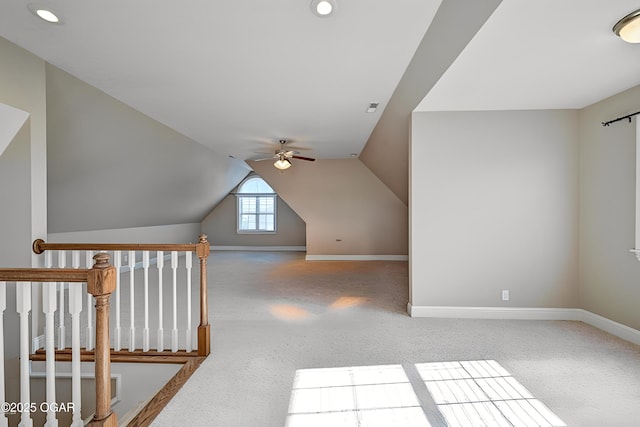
542, 54
527, 55
387, 151
236, 75
110, 166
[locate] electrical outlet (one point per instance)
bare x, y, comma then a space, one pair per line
505, 295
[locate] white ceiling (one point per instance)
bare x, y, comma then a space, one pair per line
543, 54
235, 75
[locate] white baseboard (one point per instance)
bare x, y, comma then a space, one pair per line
357, 258
525, 313
260, 248
610, 326
494, 313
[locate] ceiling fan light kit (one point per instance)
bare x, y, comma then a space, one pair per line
628, 28
282, 164
283, 156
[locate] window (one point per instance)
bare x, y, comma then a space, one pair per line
256, 206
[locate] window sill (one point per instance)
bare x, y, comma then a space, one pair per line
256, 232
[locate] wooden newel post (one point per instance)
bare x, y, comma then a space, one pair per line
204, 329
101, 283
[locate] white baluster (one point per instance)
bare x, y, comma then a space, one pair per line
145, 331
75, 307
49, 308
132, 329
188, 263
117, 263
75, 259
23, 307
160, 265
88, 262
62, 263
4, 422
174, 331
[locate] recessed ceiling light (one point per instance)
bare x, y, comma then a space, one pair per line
47, 15
44, 13
323, 8
628, 28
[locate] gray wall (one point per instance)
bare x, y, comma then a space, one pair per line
494, 206
221, 225
176, 233
22, 86
15, 238
23, 210
15, 193
111, 167
609, 274
347, 209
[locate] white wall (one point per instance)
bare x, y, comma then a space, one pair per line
609, 274
494, 205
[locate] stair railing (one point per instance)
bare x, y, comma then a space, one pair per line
127, 258
101, 283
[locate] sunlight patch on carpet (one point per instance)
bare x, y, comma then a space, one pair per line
347, 302
289, 313
354, 396
483, 393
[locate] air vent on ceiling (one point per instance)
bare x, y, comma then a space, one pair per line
372, 107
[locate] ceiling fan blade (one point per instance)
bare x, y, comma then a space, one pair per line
304, 158
265, 158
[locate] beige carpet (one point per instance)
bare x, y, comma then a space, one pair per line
274, 313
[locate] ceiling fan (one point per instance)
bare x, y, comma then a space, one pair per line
283, 156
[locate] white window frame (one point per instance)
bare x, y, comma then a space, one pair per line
257, 197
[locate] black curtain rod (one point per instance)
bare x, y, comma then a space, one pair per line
628, 116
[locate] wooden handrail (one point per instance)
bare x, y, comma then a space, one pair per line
101, 282
202, 250
43, 275
40, 246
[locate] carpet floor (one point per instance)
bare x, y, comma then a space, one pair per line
273, 314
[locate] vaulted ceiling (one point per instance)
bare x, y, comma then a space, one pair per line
237, 76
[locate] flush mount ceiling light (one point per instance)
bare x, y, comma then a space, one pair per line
323, 8
44, 13
628, 28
